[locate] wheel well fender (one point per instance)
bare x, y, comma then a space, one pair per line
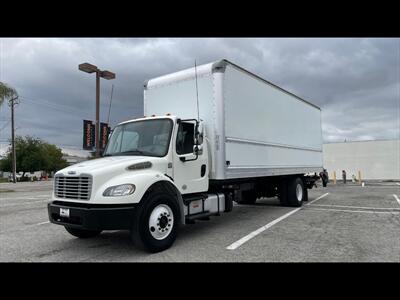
166, 185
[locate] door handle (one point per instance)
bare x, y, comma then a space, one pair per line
203, 170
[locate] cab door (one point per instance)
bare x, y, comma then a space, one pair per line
190, 170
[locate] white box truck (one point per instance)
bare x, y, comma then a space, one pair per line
210, 135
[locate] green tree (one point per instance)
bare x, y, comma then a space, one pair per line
7, 92
55, 160
33, 154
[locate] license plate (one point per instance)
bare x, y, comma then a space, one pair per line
64, 212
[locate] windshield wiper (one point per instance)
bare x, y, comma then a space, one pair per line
140, 152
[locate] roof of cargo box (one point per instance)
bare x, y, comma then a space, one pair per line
206, 69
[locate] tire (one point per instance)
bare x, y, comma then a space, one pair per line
296, 194
159, 206
82, 233
247, 197
282, 193
305, 194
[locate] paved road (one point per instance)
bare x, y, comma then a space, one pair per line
349, 223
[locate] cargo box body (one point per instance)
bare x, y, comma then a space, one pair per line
253, 128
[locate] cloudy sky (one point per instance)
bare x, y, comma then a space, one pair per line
354, 81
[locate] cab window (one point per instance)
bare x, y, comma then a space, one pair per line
185, 138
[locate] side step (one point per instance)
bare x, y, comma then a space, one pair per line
200, 215
188, 199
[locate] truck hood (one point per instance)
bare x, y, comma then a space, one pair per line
107, 163
111, 171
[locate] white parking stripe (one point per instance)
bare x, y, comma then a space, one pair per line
16, 199
356, 211
23, 203
258, 231
251, 235
397, 198
320, 197
397, 183
43, 223
362, 207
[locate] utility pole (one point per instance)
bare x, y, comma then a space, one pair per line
14, 158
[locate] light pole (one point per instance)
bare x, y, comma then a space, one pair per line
89, 68
13, 102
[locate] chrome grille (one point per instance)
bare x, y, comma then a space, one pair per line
73, 187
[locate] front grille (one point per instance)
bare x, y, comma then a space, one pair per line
73, 187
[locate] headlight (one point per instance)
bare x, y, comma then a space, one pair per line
119, 190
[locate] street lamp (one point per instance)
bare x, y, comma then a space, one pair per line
89, 68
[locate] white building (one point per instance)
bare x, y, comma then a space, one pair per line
374, 159
75, 155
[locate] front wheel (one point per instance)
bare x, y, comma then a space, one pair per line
82, 233
155, 222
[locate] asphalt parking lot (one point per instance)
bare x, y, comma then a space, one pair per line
342, 223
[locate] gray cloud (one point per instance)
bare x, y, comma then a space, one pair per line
354, 81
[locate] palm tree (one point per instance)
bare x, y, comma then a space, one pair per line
7, 92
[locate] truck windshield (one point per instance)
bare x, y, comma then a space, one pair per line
148, 137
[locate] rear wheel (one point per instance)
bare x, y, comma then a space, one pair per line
82, 233
296, 192
155, 222
305, 194
282, 193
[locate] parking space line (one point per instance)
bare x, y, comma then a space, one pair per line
362, 207
356, 211
397, 198
23, 203
42, 223
24, 227
320, 197
251, 235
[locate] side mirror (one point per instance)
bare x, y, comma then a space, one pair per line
197, 150
200, 134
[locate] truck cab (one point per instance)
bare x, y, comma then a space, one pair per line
163, 158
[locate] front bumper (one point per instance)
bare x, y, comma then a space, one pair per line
91, 216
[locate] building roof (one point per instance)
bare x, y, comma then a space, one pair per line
69, 151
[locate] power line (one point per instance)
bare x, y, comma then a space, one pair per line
47, 102
52, 107
5, 125
58, 107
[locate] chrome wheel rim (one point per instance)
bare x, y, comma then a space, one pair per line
161, 221
299, 192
